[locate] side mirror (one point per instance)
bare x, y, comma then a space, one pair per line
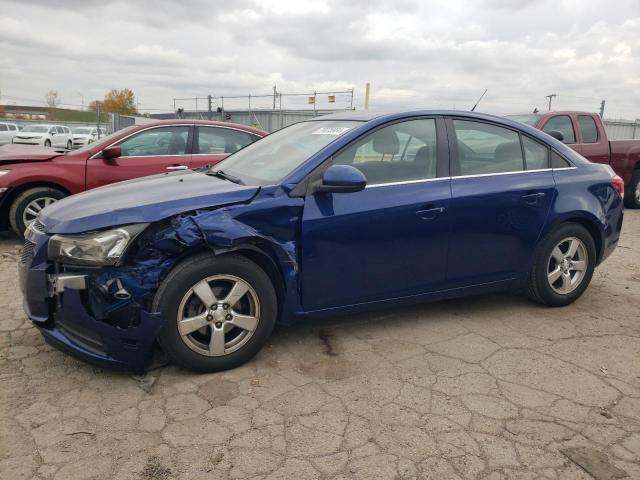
342, 179
556, 134
111, 153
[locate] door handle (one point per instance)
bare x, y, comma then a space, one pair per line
532, 198
177, 167
430, 213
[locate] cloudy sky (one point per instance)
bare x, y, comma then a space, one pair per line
416, 54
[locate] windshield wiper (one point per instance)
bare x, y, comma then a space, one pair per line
226, 176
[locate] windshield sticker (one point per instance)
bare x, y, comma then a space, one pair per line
330, 131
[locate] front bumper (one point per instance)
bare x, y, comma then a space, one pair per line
81, 142
33, 141
82, 318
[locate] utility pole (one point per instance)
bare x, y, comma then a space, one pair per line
602, 108
551, 96
209, 109
274, 97
367, 91
98, 117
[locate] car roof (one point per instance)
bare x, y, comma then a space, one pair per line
380, 117
554, 112
188, 121
368, 115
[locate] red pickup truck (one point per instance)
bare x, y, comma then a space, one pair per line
585, 133
33, 177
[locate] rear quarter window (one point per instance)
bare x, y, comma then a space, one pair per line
558, 161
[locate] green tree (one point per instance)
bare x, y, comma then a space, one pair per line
120, 101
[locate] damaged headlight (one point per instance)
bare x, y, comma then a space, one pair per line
96, 248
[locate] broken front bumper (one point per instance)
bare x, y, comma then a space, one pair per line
82, 314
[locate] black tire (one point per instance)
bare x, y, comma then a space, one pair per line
539, 288
20, 203
69, 145
47, 143
631, 194
187, 274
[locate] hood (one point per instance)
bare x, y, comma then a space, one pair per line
148, 199
14, 153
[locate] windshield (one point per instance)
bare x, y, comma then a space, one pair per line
36, 128
526, 119
91, 146
82, 130
271, 159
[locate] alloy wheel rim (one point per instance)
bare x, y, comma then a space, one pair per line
218, 315
567, 265
34, 207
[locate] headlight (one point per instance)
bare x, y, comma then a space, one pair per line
4, 172
96, 248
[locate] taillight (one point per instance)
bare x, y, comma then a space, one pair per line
618, 185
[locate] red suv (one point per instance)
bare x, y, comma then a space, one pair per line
32, 178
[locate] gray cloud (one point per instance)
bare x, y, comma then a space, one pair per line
440, 53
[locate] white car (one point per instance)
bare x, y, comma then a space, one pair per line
85, 135
7, 132
45, 135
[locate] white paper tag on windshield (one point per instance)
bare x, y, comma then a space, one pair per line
330, 131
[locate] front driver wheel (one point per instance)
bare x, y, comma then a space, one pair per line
218, 312
69, 145
47, 143
26, 207
563, 266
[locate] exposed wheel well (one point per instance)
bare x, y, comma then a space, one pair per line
270, 266
591, 228
258, 256
14, 192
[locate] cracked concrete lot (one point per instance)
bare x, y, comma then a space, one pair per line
492, 387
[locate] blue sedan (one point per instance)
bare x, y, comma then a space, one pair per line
343, 213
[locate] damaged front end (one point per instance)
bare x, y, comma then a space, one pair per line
105, 314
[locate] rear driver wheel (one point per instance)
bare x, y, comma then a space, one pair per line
632, 192
218, 312
563, 266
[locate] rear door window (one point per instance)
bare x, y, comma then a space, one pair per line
588, 128
3, 127
536, 155
562, 124
484, 148
218, 141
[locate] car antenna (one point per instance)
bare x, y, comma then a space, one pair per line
481, 96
